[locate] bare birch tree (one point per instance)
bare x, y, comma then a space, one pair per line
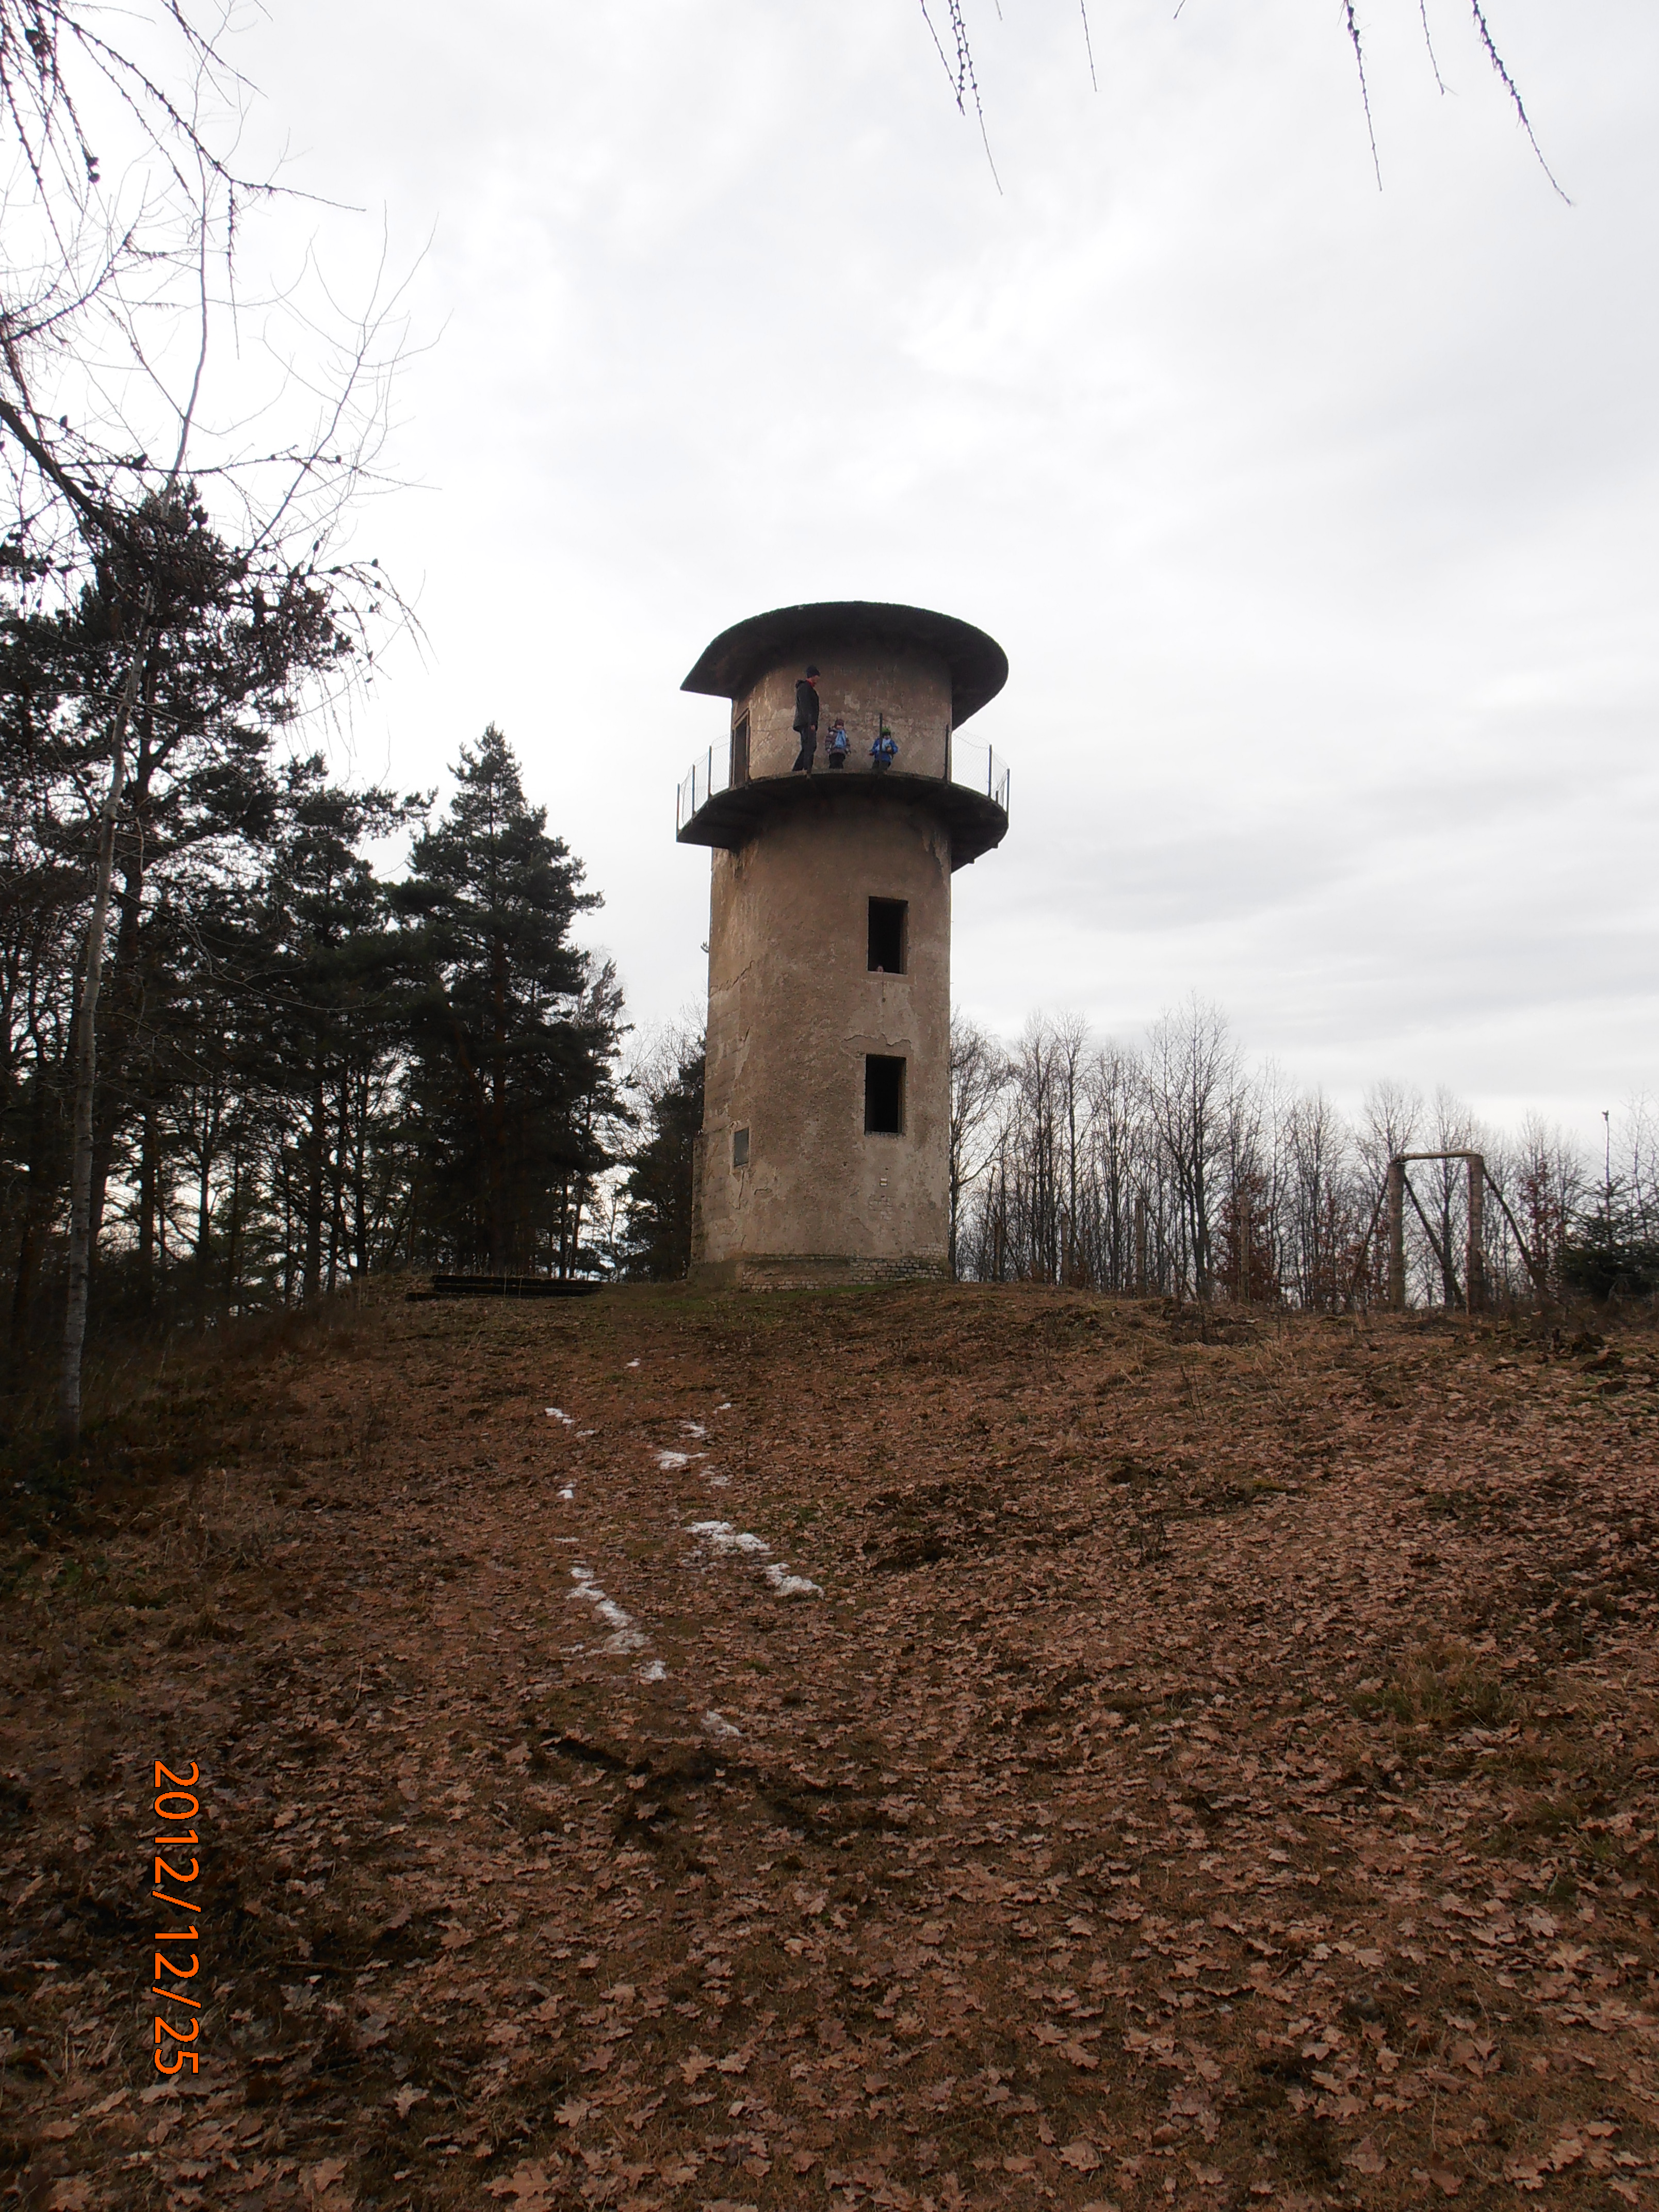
1192, 1067
1179, 1170
979, 1075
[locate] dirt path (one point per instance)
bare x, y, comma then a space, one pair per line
910, 1748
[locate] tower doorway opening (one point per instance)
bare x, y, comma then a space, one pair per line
883, 1095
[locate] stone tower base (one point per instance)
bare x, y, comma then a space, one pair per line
813, 1270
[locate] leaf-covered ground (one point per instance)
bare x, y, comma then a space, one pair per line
920, 1748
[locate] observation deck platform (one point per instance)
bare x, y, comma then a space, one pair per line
971, 802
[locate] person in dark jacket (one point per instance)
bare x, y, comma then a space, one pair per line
807, 720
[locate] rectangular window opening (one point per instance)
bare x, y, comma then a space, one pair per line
739, 753
887, 935
883, 1095
739, 1148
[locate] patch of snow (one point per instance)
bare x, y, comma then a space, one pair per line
694, 1429
717, 1724
568, 1491
725, 1408
654, 1671
721, 1536
668, 1461
789, 1585
558, 1413
633, 1363
718, 1481
626, 1637
587, 1432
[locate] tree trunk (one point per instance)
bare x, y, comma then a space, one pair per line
85, 1055
232, 1232
22, 1289
336, 1228
313, 1227
147, 1147
287, 1228
204, 1195
123, 963
498, 1228
39, 1193
1474, 1271
355, 1090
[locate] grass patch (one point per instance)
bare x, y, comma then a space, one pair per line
1440, 1685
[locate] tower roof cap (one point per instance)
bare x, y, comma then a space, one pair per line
726, 668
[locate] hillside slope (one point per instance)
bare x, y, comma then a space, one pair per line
908, 1748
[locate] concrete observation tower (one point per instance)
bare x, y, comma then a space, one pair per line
824, 1156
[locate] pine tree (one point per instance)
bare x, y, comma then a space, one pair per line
1612, 1252
659, 1190
326, 988
513, 1031
214, 666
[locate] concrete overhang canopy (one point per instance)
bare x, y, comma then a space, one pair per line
727, 668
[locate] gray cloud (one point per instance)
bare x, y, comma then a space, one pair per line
1317, 523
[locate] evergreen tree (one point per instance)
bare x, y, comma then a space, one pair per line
323, 959
1612, 1252
657, 1246
215, 665
513, 1032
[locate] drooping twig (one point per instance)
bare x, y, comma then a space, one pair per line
964, 82
945, 59
1483, 31
1353, 21
1428, 40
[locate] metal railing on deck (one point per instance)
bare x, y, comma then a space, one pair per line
993, 779
697, 787
977, 768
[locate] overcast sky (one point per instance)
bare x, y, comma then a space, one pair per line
1318, 523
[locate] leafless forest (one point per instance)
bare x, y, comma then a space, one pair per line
1176, 1165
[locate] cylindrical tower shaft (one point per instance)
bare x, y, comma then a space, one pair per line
827, 1097
824, 1154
